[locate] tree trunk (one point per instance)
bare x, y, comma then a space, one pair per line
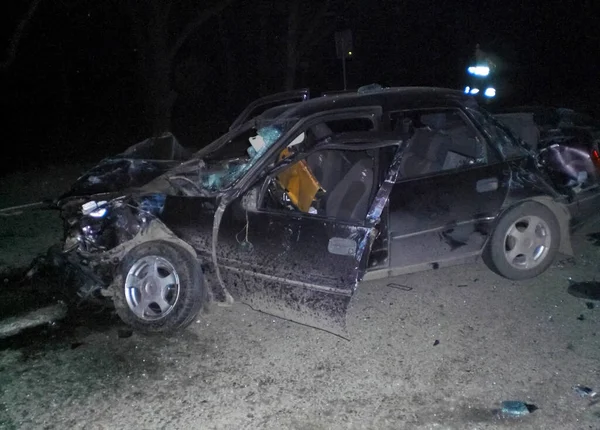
229, 60
264, 51
15, 39
161, 98
292, 45
163, 95
157, 50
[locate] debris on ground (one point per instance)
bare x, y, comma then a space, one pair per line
516, 408
584, 392
566, 262
399, 287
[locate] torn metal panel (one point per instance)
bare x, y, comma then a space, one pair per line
526, 180
570, 166
96, 243
136, 166
383, 194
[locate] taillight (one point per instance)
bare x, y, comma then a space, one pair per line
596, 158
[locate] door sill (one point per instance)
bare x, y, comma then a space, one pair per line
421, 267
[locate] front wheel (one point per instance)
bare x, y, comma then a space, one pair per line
162, 288
524, 242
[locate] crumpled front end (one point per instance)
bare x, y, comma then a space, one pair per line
99, 233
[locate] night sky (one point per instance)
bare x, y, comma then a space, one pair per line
74, 91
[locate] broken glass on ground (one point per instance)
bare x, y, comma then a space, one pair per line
584, 392
516, 408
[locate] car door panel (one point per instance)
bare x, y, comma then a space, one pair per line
298, 266
445, 216
301, 268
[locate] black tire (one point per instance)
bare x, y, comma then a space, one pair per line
185, 297
499, 246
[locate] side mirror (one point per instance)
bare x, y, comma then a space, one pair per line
249, 201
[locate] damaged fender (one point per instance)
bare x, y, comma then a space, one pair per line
154, 231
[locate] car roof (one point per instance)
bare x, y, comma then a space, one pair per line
395, 98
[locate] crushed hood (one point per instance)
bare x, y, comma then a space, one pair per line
134, 167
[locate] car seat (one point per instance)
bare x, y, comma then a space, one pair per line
328, 167
424, 153
349, 200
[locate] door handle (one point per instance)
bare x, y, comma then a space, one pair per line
485, 185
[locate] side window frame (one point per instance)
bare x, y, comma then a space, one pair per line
373, 112
491, 156
293, 96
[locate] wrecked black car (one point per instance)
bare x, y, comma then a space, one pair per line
293, 207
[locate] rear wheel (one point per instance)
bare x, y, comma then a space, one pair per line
162, 288
525, 241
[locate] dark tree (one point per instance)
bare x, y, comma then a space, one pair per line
305, 28
161, 28
17, 36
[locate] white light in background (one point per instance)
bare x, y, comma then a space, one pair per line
479, 70
490, 92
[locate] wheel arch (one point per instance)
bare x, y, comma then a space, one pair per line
560, 211
196, 295
155, 231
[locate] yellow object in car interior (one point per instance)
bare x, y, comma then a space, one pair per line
300, 184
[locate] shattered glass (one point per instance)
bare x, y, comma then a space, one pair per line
227, 172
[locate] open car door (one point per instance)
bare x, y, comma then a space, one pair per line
260, 105
301, 261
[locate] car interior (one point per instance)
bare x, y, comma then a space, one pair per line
335, 183
439, 141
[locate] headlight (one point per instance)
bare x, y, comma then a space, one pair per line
94, 209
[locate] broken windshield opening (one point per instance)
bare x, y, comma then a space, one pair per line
228, 160
220, 165
231, 159
234, 158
